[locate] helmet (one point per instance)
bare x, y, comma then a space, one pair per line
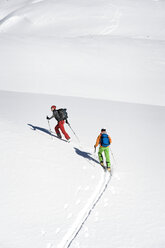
53, 107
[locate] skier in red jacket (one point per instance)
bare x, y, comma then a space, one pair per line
61, 118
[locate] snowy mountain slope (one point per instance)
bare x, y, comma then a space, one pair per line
40, 198
54, 194
76, 18
46, 183
110, 50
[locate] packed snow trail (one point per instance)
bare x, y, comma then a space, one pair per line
85, 212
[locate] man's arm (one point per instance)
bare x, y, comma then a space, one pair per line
48, 118
110, 140
97, 141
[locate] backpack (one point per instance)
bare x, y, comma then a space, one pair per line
104, 141
63, 114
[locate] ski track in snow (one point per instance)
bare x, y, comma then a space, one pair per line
85, 212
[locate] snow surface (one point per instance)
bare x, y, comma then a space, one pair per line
106, 49
49, 186
83, 55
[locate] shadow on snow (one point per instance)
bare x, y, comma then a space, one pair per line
40, 129
44, 130
86, 155
83, 154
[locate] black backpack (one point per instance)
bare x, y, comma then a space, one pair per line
63, 114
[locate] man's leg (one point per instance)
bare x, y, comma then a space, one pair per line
106, 151
61, 126
101, 149
57, 131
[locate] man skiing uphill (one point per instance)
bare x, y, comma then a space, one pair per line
104, 140
61, 116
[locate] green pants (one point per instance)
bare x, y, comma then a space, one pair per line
106, 152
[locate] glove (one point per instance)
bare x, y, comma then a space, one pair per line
47, 118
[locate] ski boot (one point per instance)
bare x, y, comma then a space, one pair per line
102, 164
59, 136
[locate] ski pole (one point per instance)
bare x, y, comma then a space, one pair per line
112, 155
50, 129
95, 156
73, 132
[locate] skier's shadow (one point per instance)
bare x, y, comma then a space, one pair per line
40, 129
86, 155
44, 130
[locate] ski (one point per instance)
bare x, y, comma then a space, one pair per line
106, 169
53, 134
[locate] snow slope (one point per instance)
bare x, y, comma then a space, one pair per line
82, 55
110, 50
48, 186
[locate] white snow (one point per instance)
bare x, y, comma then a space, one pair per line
102, 60
48, 186
110, 50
